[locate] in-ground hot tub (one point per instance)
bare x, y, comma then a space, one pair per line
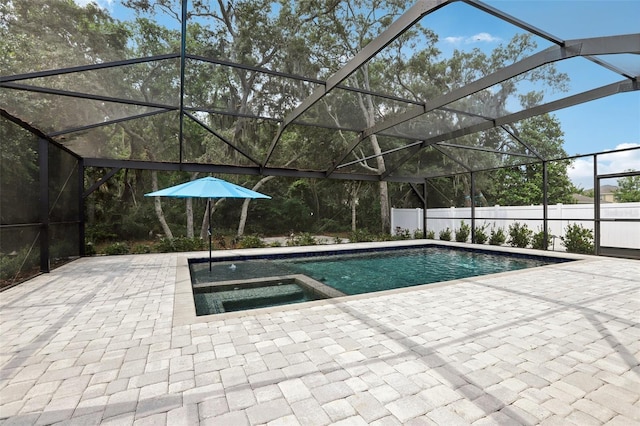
240, 295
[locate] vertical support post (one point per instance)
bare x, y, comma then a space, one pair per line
43, 163
545, 206
596, 206
424, 210
473, 207
81, 223
209, 230
183, 59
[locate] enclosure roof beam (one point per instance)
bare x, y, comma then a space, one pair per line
519, 140
484, 149
104, 123
629, 43
396, 29
514, 21
100, 182
590, 95
450, 157
37, 132
68, 93
390, 151
236, 170
91, 67
222, 138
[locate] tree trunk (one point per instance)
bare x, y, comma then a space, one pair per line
354, 189
205, 224
158, 207
190, 211
189, 217
205, 219
245, 205
385, 212
354, 204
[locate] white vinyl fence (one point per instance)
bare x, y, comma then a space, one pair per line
613, 234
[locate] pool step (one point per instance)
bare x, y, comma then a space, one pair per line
283, 290
207, 303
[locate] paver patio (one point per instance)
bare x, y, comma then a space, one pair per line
95, 342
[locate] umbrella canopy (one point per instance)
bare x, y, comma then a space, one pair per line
207, 187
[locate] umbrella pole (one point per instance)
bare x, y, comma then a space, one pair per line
209, 210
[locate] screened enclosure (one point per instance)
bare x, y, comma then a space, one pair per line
382, 92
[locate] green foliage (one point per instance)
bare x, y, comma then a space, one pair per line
402, 234
497, 237
89, 248
21, 262
361, 236
337, 240
141, 249
578, 239
181, 244
101, 232
481, 234
519, 235
418, 234
302, 239
116, 248
628, 189
462, 233
445, 234
251, 241
431, 234
537, 240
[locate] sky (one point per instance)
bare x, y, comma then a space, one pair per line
602, 125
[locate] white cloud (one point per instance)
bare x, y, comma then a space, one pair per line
482, 37
476, 38
454, 40
618, 162
104, 4
581, 171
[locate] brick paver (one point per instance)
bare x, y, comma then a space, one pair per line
97, 342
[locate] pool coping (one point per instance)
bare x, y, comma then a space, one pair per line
184, 312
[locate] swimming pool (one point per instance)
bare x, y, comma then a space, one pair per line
364, 271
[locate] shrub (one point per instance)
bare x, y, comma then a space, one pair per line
16, 263
497, 237
481, 234
89, 248
251, 241
116, 248
462, 233
303, 239
578, 239
445, 234
337, 240
360, 236
418, 234
141, 249
431, 234
179, 244
384, 237
537, 241
519, 235
402, 234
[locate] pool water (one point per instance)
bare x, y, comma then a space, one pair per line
356, 273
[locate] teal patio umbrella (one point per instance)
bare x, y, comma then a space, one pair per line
207, 187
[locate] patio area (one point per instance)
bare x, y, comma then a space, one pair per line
96, 342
